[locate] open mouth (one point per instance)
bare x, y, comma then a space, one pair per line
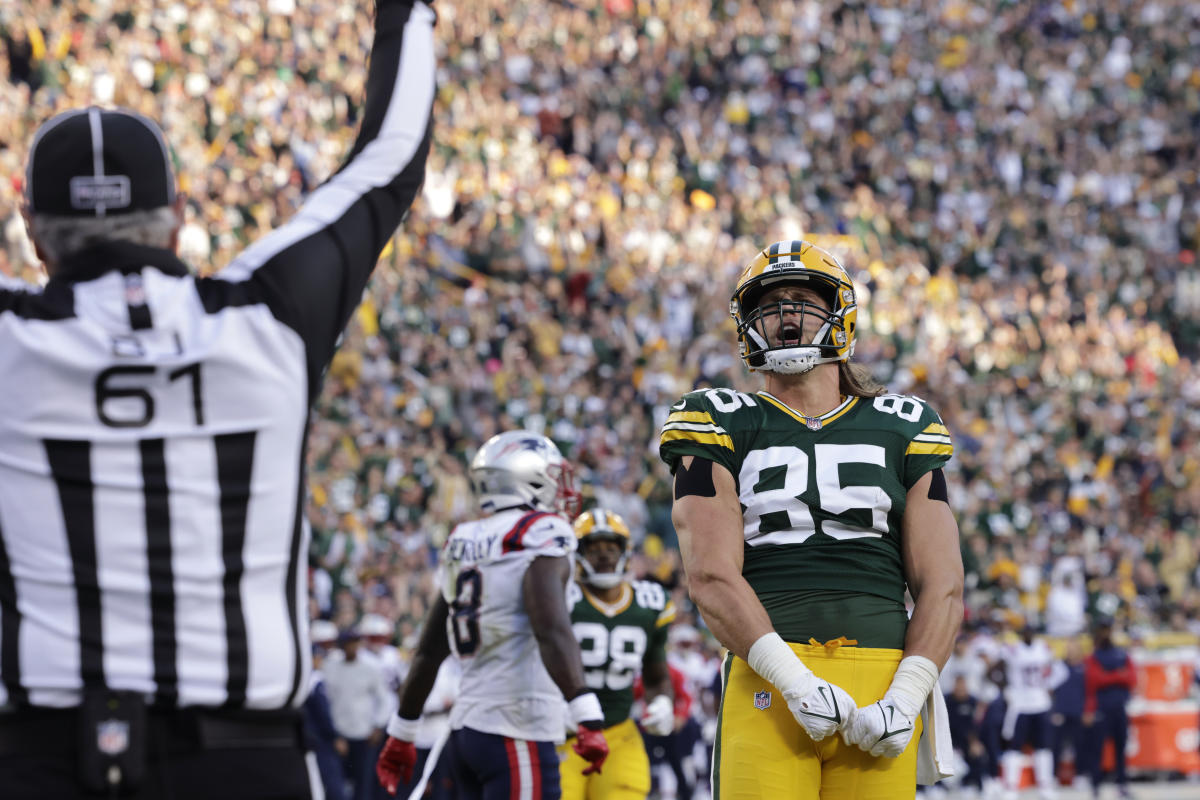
789, 335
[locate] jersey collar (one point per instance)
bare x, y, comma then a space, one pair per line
92, 262
610, 609
813, 423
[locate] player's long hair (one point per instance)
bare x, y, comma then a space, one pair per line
855, 381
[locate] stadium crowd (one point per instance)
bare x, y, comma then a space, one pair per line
1013, 187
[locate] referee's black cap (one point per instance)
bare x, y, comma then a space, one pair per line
89, 162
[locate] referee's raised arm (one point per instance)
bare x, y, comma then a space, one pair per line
153, 627
312, 271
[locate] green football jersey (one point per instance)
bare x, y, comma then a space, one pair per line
617, 640
822, 501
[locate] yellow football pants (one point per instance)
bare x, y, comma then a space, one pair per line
762, 752
626, 772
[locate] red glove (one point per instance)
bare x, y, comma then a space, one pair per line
591, 746
395, 764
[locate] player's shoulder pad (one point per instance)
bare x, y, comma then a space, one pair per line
650, 595
708, 416
574, 594
548, 534
917, 421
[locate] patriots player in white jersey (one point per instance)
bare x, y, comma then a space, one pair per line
503, 612
1031, 671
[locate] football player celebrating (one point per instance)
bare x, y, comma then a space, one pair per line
621, 627
804, 512
503, 611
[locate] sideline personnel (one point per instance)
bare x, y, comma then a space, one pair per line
153, 633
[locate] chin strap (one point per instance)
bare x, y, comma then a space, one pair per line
604, 580
792, 360
785, 360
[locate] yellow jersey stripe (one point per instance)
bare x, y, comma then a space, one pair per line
722, 440
623, 602
937, 427
929, 449
691, 416
666, 617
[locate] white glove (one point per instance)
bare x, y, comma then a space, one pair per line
885, 727
659, 717
818, 705
822, 710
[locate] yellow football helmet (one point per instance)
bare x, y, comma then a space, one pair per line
601, 524
794, 262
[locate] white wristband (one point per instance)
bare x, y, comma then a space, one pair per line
914, 680
586, 708
660, 704
403, 729
771, 658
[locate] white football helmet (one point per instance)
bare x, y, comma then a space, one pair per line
522, 468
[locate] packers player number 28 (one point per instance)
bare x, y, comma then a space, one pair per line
612, 656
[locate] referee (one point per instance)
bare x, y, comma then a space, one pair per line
153, 625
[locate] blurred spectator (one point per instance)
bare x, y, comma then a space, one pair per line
963, 708
1066, 602
358, 703
377, 637
1109, 682
1067, 714
321, 737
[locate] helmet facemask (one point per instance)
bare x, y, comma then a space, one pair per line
827, 333
603, 580
774, 333
567, 500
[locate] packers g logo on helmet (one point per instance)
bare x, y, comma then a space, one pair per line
601, 524
800, 263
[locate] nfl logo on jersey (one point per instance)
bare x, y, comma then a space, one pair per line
112, 737
762, 700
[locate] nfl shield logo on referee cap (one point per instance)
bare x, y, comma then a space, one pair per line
112, 737
762, 700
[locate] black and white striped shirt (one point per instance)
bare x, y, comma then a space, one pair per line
152, 433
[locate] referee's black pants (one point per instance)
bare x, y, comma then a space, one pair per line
190, 755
